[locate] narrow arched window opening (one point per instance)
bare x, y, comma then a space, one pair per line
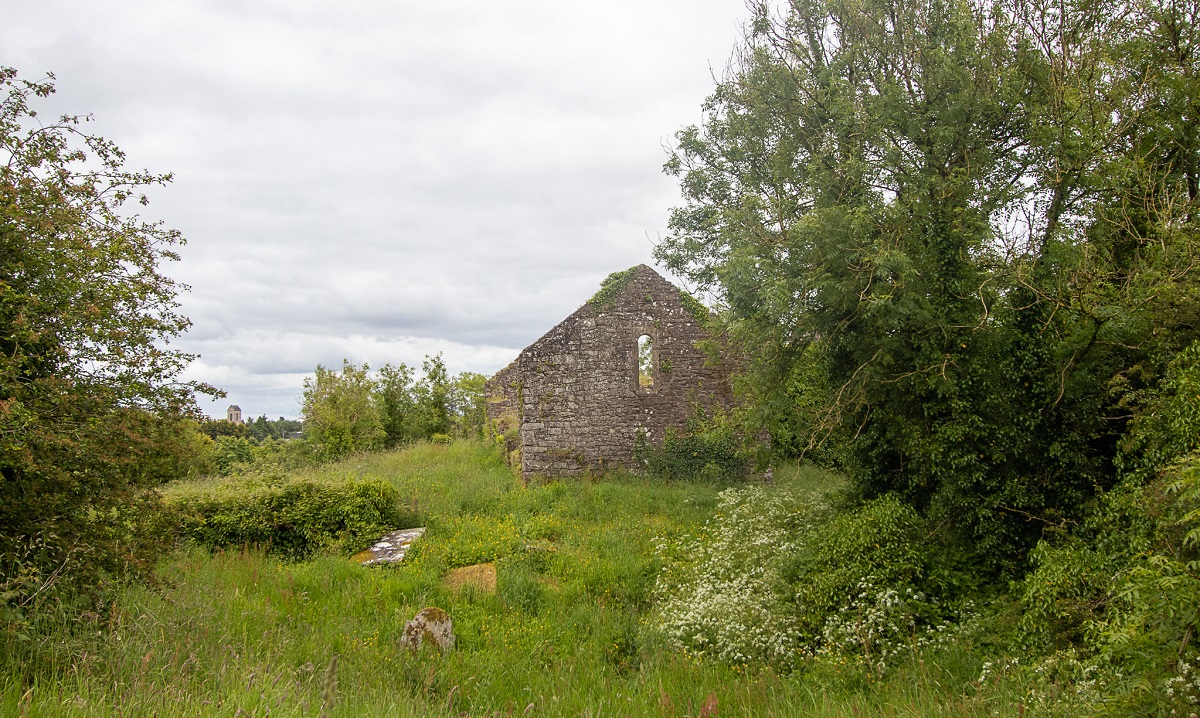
645, 361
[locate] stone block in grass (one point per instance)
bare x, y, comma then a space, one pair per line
481, 577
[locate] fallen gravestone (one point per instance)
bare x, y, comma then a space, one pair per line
391, 548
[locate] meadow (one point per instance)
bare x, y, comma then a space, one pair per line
568, 631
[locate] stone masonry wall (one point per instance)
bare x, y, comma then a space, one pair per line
575, 391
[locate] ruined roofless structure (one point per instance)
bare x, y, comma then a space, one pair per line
575, 393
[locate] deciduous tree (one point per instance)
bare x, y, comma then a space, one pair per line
91, 399
978, 219
340, 415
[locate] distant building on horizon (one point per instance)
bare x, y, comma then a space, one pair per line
234, 414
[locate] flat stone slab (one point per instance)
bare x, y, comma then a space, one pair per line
481, 577
391, 548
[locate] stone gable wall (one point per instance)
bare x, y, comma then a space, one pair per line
575, 393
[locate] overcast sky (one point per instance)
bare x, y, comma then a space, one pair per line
382, 180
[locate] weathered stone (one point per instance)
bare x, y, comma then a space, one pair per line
481, 577
391, 548
431, 626
574, 394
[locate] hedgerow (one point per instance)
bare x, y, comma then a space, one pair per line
293, 517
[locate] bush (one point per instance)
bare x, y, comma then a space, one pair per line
708, 449
721, 590
94, 408
296, 518
1124, 587
230, 453
1120, 592
340, 414
231, 456
778, 575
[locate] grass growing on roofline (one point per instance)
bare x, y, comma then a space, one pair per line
242, 633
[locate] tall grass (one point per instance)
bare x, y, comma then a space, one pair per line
242, 633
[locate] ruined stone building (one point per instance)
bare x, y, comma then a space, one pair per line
579, 396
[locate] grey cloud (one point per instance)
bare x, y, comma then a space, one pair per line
378, 181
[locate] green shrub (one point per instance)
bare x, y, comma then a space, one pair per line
873, 548
1168, 426
340, 415
779, 574
708, 449
230, 453
295, 518
1121, 592
721, 593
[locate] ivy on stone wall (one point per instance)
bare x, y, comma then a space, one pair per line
611, 288
694, 307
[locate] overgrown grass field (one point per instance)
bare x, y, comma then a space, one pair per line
242, 632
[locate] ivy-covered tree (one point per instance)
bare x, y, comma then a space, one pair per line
92, 407
976, 220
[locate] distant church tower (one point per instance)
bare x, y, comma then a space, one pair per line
234, 414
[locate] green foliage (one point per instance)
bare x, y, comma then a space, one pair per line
436, 404
781, 576
611, 288
1121, 592
92, 406
976, 221
432, 396
468, 404
567, 630
722, 593
340, 415
795, 415
295, 518
263, 428
694, 307
1167, 427
230, 452
874, 547
397, 406
215, 429
708, 449
1117, 597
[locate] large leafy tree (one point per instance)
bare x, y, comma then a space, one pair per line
91, 401
976, 220
341, 415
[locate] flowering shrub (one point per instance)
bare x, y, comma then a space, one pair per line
874, 626
721, 590
1183, 687
779, 574
1058, 684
